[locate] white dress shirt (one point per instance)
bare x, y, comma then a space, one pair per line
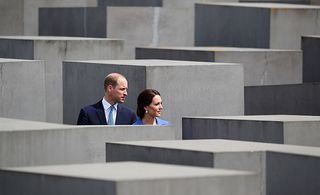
106, 106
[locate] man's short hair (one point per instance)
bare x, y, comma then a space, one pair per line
112, 79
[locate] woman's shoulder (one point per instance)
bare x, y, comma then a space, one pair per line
162, 122
138, 122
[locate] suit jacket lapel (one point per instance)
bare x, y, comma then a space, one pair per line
100, 113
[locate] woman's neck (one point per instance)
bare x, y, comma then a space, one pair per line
148, 120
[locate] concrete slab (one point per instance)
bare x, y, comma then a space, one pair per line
258, 25
53, 50
22, 89
28, 143
20, 17
173, 79
295, 99
74, 22
282, 129
311, 70
283, 169
122, 178
261, 66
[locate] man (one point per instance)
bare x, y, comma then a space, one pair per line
109, 110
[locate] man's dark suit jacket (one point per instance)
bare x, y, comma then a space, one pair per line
94, 115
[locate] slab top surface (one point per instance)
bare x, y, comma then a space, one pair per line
6, 60
155, 62
215, 49
266, 5
56, 38
276, 118
8, 124
126, 171
224, 146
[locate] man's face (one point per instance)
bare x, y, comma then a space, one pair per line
119, 93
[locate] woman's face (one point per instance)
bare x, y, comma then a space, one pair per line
155, 108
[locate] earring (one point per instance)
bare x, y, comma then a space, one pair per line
146, 111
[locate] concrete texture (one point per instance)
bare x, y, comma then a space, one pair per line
53, 50
28, 143
258, 25
20, 17
211, 94
261, 66
311, 50
297, 99
282, 129
278, 1
283, 169
139, 3
154, 26
22, 89
134, 178
76, 22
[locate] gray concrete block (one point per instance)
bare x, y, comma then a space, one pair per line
74, 22
258, 25
282, 129
138, 3
211, 94
278, 1
20, 17
53, 50
297, 99
22, 89
283, 169
122, 178
28, 143
261, 66
311, 50
154, 26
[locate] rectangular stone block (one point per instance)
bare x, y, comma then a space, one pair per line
197, 88
74, 22
295, 99
53, 50
311, 50
261, 66
20, 17
22, 89
283, 169
153, 26
139, 3
258, 25
123, 178
282, 129
278, 1
29, 143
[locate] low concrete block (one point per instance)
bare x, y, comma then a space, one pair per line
296, 99
311, 50
283, 169
261, 66
22, 89
20, 17
53, 50
139, 3
27, 143
197, 88
282, 129
122, 178
258, 25
74, 22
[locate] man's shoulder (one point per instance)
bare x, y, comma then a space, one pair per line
95, 106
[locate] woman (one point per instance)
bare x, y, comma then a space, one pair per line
149, 108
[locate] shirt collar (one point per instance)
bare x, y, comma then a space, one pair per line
106, 105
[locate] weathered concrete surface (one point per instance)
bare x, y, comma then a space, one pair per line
261, 66
282, 129
311, 50
20, 17
22, 89
283, 169
54, 50
258, 25
123, 178
27, 143
187, 88
297, 99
